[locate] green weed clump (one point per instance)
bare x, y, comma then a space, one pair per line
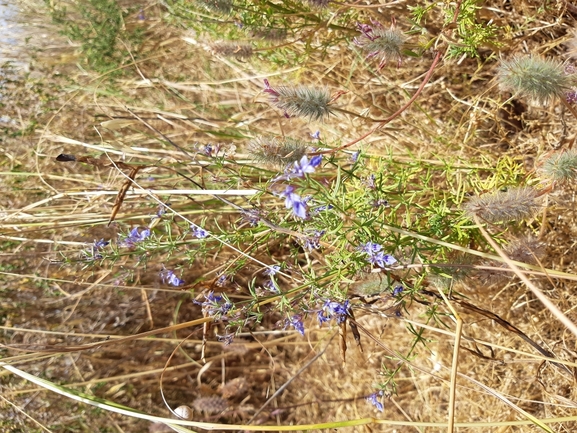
370, 214
99, 26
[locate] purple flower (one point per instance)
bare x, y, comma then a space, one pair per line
381, 259
355, 156
333, 310
296, 322
271, 286
571, 97
398, 290
214, 305
268, 89
312, 241
100, 244
295, 202
305, 166
376, 256
272, 270
170, 278
198, 232
221, 280
135, 237
300, 168
374, 400
162, 210
316, 135
370, 248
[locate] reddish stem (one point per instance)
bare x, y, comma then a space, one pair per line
395, 114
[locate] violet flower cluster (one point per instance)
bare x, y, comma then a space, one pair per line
94, 252
299, 169
214, 305
374, 400
296, 321
376, 256
198, 232
333, 310
134, 237
169, 277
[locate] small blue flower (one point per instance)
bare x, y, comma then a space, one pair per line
374, 400
312, 241
316, 135
370, 248
271, 286
170, 278
381, 259
333, 310
398, 290
100, 244
162, 210
376, 256
296, 322
305, 166
135, 237
272, 270
199, 232
221, 280
355, 156
214, 305
295, 202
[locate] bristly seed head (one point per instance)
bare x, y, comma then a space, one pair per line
278, 152
237, 50
515, 204
534, 77
302, 101
561, 166
380, 42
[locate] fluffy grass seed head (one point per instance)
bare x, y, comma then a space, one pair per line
237, 50
379, 42
515, 204
534, 77
278, 152
303, 101
561, 166
526, 250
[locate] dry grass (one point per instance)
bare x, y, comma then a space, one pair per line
50, 211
